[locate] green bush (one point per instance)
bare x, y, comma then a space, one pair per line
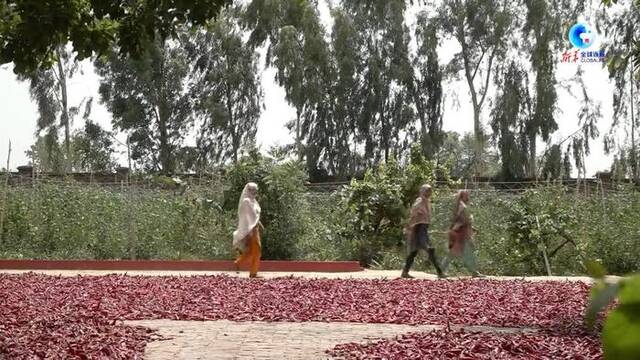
88, 222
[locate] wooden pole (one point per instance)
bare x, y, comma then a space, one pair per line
544, 252
4, 195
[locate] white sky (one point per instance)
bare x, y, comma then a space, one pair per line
18, 114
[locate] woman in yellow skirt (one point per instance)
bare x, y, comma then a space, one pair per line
246, 238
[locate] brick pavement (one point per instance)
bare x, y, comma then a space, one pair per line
200, 340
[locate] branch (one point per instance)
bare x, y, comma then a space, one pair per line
478, 64
551, 254
486, 84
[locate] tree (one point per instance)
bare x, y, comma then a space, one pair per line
510, 116
555, 166
384, 72
635, 51
458, 154
49, 89
300, 55
149, 98
347, 105
45, 154
227, 84
543, 26
93, 149
588, 117
481, 27
426, 87
32, 30
623, 33
299, 52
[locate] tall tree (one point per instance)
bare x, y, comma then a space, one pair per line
347, 105
93, 149
509, 119
481, 28
298, 50
49, 89
46, 155
227, 84
623, 34
543, 27
149, 99
32, 30
426, 87
384, 71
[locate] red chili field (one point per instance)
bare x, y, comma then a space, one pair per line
78, 317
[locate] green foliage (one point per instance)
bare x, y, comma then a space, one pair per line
85, 222
93, 149
30, 30
621, 330
149, 100
227, 82
510, 114
542, 223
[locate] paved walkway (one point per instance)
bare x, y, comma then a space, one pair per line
264, 340
365, 274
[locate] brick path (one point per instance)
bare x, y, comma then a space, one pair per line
263, 340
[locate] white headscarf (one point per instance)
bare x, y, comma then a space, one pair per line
248, 216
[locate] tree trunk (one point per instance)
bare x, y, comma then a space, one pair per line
533, 170
65, 112
163, 115
235, 143
634, 154
424, 135
165, 152
298, 140
478, 141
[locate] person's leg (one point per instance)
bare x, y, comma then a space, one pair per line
469, 258
431, 252
257, 253
243, 257
408, 263
445, 262
432, 257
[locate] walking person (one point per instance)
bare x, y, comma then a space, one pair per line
246, 239
461, 234
417, 232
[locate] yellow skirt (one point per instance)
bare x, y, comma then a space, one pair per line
251, 256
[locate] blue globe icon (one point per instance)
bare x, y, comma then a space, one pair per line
581, 36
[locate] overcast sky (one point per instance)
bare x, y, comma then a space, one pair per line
18, 113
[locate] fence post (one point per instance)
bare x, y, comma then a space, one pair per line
4, 196
131, 228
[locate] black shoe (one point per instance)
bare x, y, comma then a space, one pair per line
405, 275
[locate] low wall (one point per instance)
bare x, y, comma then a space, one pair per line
169, 265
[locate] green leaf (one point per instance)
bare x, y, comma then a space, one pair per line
595, 269
621, 333
630, 291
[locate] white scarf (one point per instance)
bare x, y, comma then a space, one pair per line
248, 217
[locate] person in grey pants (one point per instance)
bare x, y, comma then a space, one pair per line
417, 232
